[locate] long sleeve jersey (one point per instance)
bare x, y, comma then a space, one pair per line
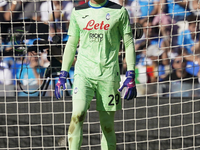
99, 28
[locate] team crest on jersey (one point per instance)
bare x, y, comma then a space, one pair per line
108, 16
75, 90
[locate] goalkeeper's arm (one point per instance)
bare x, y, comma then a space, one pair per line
68, 57
129, 83
69, 53
130, 51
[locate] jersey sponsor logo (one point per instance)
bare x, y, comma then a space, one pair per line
96, 37
85, 16
92, 25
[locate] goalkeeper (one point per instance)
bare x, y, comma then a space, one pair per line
99, 26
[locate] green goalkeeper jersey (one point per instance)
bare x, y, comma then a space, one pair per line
100, 29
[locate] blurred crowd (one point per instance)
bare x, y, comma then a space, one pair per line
167, 55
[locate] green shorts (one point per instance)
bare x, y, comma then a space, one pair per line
107, 96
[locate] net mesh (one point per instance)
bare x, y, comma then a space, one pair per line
164, 116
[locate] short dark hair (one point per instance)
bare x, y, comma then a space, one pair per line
192, 18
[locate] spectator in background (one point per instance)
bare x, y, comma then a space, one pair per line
148, 8
141, 54
152, 66
62, 11
9, 8
2, 9
67, 9
140, 47
158, 60
32, 73
179, 71
2, 19
177, 9
133, 9
167, 34
181, 81
44, 62
5, 74
189, 39
30, 10
148, 34
6, 14
194, 6
22, 10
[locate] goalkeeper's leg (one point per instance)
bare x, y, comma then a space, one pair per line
75, 133
108, 141
82, 96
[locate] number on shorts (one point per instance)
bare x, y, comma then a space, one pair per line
116, 98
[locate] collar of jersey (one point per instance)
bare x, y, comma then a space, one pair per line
97, 6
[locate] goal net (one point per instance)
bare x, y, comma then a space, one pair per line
164, 116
